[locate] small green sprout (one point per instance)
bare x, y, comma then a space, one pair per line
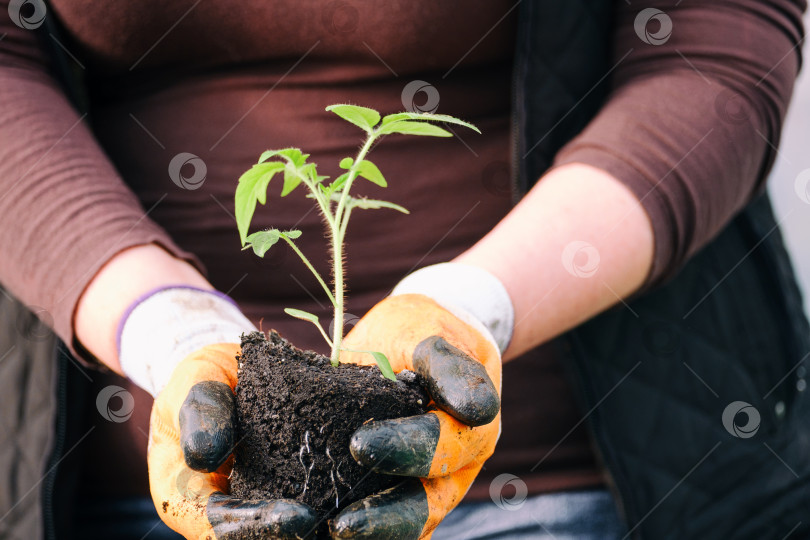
332, 199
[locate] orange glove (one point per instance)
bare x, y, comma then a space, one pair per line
190, 442
444, 449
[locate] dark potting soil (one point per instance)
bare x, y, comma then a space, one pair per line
296, 414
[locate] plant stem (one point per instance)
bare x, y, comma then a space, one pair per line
323, 333
338, 232
322, 203
311, 268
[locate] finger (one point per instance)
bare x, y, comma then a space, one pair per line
284, 519
207, 420
429, 445
192, 502
180, 493
400, 512
408, 511
396, 325
458, 383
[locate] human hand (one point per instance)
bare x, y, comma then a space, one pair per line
442, 451
191, 437
179, 343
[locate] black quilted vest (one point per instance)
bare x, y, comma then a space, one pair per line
655, 382
654, 387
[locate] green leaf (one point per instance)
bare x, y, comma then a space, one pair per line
366, 169
359, 116
374, 204
263, 240
336, 185
384, 365
406, 127
252, 188
291, 179
291, 154
303, 315
370, 172
292, 235
428, 117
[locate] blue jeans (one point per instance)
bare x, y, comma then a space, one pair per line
580, 515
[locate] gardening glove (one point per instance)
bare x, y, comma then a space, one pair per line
449, 323
180, 344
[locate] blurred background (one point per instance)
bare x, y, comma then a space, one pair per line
792, 211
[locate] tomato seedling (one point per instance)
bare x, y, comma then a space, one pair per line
332, 199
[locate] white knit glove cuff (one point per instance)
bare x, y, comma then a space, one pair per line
470, 293
164, 326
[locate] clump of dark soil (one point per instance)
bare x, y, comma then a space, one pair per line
296, 414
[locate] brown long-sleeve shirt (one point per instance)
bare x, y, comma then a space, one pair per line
689, 127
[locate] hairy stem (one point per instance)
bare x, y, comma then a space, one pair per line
312, 269
323, 204
338, 232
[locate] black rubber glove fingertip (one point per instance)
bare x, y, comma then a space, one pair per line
458, 383
207, 420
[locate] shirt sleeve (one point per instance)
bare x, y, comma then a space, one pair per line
698, 94
64, 210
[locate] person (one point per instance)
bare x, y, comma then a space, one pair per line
638, 294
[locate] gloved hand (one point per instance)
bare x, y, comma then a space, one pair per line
449, 343
178, 343
191, 438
